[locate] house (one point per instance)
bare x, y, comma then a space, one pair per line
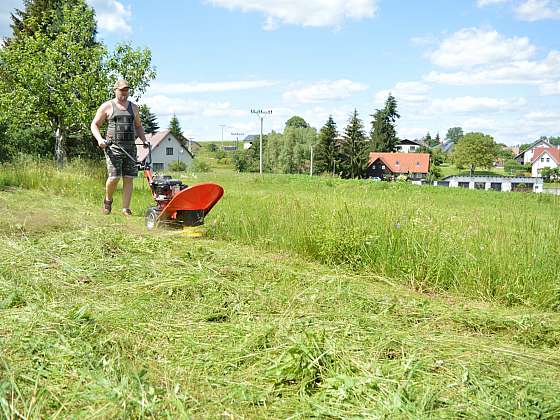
526, 155
165, 150
248, 141
189, 144
493, 182
408, 146
390, 165
544, 157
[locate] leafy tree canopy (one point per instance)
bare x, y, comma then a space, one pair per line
454, 134
475, 150
56, 75
296, 122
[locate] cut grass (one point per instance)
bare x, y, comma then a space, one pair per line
498, 247
100, 319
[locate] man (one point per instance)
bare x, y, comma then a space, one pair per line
124, 126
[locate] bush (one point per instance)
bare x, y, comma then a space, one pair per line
177, 166
201, 166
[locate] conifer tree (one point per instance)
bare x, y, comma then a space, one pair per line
149, 120
383, 134
175, 127
327, 151
353, 149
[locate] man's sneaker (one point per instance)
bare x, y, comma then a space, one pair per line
127, 212
107, 206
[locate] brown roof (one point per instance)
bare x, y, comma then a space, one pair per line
552, 151
403, 163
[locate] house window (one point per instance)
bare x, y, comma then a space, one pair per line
397, 163
169, 151
382, 166
157, 166
412, 148
548, 159
417, 163
542, 159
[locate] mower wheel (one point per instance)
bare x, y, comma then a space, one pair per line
152, 215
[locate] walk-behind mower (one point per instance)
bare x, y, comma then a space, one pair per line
176, 204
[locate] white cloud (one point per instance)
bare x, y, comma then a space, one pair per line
196, 87
404, 92
472, 47
482, 3
470, 104
112, 16
324, 91
165, 106
314, 13
533, 10
516, 72
550, 88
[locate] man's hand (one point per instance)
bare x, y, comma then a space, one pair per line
145, 145
102, 144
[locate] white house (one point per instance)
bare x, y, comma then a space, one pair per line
408, 146
165, 150
544, 157
526, 155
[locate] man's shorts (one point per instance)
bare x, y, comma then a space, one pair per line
118, 163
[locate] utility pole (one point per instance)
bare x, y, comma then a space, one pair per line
260, 113
222, 126
236, 134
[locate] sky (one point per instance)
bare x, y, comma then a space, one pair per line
491, 66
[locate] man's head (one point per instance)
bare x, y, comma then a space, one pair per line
121, 90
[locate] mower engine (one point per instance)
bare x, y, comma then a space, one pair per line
164, 188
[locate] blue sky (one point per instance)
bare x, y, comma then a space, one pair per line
484, 65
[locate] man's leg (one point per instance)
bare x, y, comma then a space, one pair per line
110, 187
127, 191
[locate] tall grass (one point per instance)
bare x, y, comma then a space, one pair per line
483, 244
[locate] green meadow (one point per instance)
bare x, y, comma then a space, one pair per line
308, 297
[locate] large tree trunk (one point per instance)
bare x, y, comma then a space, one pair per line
60, 146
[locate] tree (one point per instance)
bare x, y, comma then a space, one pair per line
437, 140
353, 148
175, 127
550, 174
35, 16
512, 167
327, 150
555, 141
149, 120
383, 134
57, 74
475, 150
454, 134
296, 122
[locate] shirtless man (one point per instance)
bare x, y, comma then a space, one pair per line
124, 126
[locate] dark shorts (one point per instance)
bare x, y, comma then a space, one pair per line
118, 163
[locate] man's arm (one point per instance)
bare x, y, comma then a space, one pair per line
98, 120
138, 124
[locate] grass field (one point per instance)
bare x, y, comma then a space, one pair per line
309, 297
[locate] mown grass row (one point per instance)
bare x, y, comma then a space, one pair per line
100, 319
483, 244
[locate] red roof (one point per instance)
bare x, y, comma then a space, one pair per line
403, 163
552, 151
154, 139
